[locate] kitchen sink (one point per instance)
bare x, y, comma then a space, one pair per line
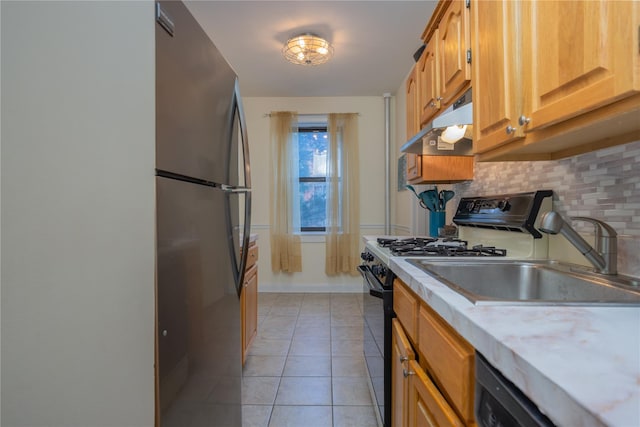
531, 282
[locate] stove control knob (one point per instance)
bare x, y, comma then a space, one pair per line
504, 205
379, 270
366, 256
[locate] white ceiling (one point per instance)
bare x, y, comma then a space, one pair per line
373, 41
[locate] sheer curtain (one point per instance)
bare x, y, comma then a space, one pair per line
285, 245
343, 199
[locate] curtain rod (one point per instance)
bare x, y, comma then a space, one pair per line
311, 114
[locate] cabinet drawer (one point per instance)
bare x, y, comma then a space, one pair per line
427, 407
450, 359
252, 257
405, 305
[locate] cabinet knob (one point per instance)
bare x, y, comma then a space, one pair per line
439, 98
406, 373
403, 359
165, 333
432, 104
524, 120
510, 129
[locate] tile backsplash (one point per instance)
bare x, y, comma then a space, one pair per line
604, 184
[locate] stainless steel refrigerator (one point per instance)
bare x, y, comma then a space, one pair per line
203, 217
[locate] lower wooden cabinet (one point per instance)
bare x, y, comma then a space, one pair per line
249, 302
450, 358
405, 305
427, 406
401, 354
433, 386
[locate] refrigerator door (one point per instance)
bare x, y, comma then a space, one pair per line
198, 325
195, 94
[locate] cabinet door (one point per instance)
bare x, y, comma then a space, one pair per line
413, 122
454, 40
401, 354
449, 358
581, 55
496, 92
252, 306
414, 166
444, 169
427, 407
429, 81
249, 310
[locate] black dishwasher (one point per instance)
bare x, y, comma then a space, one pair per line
499, 403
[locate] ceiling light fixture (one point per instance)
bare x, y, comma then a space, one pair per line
307, 49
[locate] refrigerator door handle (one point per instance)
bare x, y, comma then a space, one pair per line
243, 134
246, 189
231, 189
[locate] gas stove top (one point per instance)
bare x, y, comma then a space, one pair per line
488, 226
441, 247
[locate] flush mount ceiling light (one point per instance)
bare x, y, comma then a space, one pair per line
307, 49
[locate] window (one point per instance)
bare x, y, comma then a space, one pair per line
312, 177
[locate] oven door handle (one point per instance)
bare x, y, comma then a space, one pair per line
375, 288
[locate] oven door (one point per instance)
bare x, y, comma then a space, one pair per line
378, 312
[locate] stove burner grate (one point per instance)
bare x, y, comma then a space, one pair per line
425, 246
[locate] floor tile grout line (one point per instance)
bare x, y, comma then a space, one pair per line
334, 307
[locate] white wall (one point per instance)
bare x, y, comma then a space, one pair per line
78, 213
371, 135
408, 218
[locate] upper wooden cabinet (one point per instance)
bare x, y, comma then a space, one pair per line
413, 114
444, 68
496, 80
548, 87
454, 44
429, 79
578, 56
443, 169
440, 77
413, 164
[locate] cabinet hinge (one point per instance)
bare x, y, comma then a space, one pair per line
468, 56
468, 4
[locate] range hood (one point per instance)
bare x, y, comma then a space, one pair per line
429, 141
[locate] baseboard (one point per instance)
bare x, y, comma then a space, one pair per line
312, 287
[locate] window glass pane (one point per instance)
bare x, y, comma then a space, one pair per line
312, 149
313, 204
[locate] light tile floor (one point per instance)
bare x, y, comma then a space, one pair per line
306, 366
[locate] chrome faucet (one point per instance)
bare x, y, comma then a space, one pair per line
604, 257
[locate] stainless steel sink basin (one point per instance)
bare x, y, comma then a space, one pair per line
531, 282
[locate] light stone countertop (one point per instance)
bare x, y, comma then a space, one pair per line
580, 365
